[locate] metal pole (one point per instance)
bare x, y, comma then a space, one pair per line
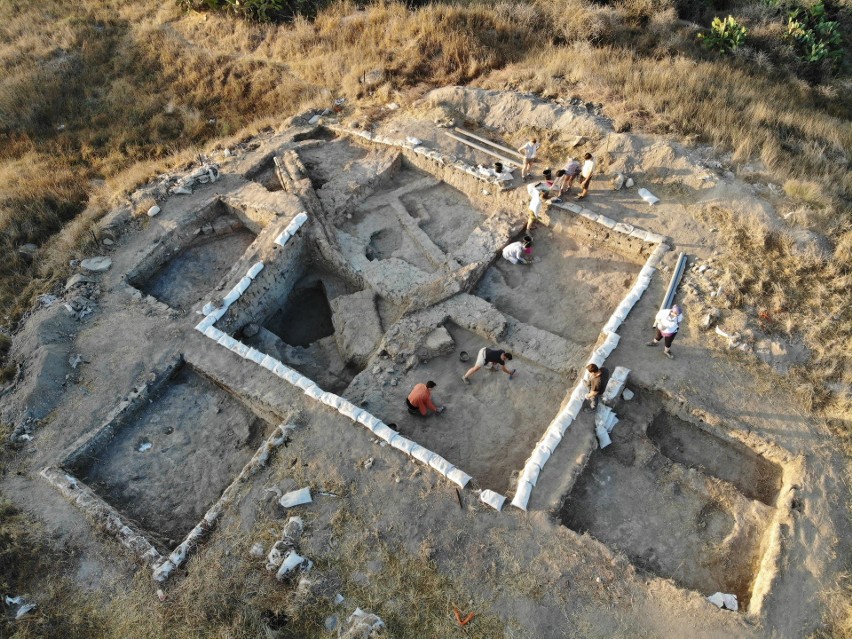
673, 283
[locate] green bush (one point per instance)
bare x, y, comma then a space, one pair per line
816, 38
725, 35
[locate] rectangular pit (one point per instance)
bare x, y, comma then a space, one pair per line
670, 520
570, 290
301, 332
170, 459
181, 271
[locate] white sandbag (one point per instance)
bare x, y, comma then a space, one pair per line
550, 441
421, 454
495, 500
314, 392
218, 313
204, 324
612, 324
255, 270
530, 474
255, 355
647, 271
269, 362
300, 219
227, 341
603, 436
281, 240
384, 432
243, 284
607, 222
402, 443
639, 234
575, 405
241, 349
232, 296
330, 399
580, 390
349, 409
281, 370
292, 376
290, 562
623, 227
723, 600
539, 456
304, 382
560, 424
586, 213
654, 238
458, 477
296, 498
213, 333
441, 465
649, 197
522, 495
368, 419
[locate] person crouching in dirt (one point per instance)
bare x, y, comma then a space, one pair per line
598, 377
666, 324
519, 252
492, 357
419, 401
586, 173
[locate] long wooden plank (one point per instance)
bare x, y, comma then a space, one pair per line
499, 147
476, 146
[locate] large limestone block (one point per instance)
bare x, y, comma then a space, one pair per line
357, 327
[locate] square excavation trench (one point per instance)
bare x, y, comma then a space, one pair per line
301, 332
570, 290
264, 174
680, 502
172, 458
490, 426
184, 278
414, 218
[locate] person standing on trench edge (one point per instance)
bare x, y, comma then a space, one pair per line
492, 357
666, 324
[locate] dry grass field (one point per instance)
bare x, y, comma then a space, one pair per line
97, 96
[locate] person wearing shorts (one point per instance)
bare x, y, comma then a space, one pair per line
494, 358
528, 152
586, 173
572, 170
666, 324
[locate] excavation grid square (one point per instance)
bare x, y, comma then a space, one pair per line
570, 289
671, 520
171, 459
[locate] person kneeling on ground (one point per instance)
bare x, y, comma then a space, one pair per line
666, 324
598, 377
519, 252
494, 358
419, 400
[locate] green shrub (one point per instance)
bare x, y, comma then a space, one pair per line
725, 35
816, 38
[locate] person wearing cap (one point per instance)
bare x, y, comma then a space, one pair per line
419, 401
519, 252
666, 324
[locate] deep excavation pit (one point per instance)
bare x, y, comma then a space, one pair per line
694, 525
173, 457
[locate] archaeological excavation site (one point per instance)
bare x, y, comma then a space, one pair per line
224, 389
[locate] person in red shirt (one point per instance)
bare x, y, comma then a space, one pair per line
419, 400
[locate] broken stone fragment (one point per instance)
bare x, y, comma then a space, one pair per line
98, 264
618, 181
153, 211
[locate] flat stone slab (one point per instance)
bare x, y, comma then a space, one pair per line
98, 264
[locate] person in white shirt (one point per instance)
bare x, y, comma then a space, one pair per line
538, 193
586, 175
666, 324
519, 252
528, 152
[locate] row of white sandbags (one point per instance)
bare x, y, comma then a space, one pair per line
294, 225
213, 313
620, 227
643, 280
343, 406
